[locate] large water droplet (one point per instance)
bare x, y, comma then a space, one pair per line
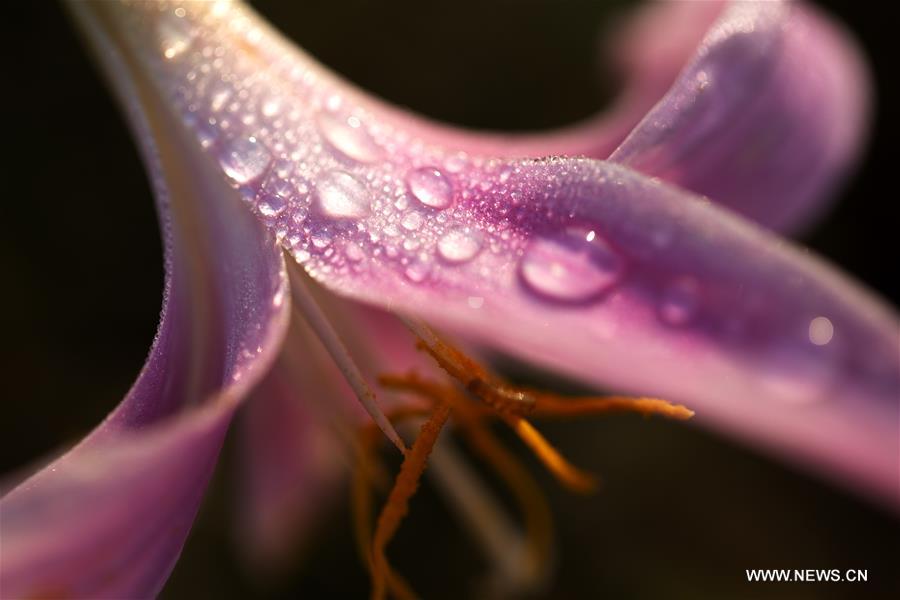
244, 159
459, 245
348, 136
342, 196
574, 266
430, 187
678, 302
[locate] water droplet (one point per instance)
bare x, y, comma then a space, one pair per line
271, 205
320, 240
459, 245
418, 271
679, 301
278, 185
821, 330
244, 159
353, 252
342, 196
430, 187
570, 268
348, 136
411, 221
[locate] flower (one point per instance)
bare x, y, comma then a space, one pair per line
591, 267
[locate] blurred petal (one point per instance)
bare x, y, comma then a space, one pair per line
290, 463
292, 458
592, 268
765, 119
108, 519
648, 46
300, 422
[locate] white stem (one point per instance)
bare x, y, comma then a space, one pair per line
319, 323
486, 520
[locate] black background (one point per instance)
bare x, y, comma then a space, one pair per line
684, 511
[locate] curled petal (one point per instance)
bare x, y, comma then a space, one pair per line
108, 518
765, 119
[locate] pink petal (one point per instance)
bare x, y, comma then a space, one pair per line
108, 519
589, 267
765, 119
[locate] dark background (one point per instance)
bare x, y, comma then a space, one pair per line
683, 513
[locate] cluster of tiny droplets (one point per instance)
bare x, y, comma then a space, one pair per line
345, 192
340, 188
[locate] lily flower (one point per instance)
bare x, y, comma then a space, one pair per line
310, 230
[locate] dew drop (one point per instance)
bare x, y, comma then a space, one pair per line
244, 159
678, 302
430, 187
271, 205
411, 221
353, 252
821, 330
417, 271
342, 196
348, 136
459, 245
571, 267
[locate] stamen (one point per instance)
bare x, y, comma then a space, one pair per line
532, 504
458, 365
551, 405
475, 378
315, 317
367, 473
524, 562
526, 568
397, 505
571, 476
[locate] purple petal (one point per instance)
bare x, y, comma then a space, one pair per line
291, 461
765, 119
108, 519
589, 267
599, 272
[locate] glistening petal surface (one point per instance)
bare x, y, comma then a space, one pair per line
593, 268
108, 518
764, 120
